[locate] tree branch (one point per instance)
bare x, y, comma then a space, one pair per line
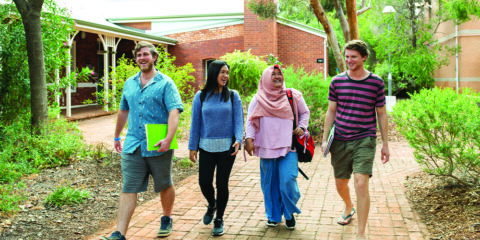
332, 38
363, 8
21, 6
342, 19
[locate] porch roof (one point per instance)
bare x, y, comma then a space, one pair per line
122, 32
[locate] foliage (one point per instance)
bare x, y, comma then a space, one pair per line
444, 129
315, 93
66, 195
23, 153
409, 36
245, 71
57, 25
263, 8
459, 10
301, 11
185, 120
184, 163
11, 195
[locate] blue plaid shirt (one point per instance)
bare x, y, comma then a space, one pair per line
150, 104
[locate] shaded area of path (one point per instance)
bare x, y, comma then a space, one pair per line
391, 216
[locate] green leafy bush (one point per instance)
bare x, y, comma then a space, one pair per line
23, 153
315, 93
245, 72
66, 195
10, 196
444, 129
184, 163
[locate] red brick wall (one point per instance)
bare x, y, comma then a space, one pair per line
300, 48
208, 34
196, 46
260, 35
138, 25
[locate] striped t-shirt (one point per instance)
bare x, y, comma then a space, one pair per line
356, 102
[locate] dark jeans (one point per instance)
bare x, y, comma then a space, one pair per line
223, 161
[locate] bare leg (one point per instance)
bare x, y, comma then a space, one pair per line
363, 201
167, 197
344, 192
127, 204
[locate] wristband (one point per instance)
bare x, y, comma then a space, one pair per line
117, 139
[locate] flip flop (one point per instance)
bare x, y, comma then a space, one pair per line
345, 220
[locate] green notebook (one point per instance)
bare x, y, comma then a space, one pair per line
157, 132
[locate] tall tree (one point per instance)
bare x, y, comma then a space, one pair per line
350, 27
30, 10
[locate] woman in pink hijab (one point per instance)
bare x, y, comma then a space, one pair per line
269, 136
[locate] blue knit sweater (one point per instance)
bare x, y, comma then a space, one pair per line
216, 119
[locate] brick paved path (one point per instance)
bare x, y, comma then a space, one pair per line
390, 215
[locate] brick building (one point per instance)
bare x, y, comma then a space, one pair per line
203, 38
196, 39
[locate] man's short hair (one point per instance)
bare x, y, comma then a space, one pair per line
357, 45
151, 48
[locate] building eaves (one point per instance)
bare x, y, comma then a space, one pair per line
121, 32
302, 27
184, 17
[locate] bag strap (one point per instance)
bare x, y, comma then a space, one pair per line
290, 100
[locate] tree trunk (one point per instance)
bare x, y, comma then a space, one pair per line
413, 19
30, 12
332, 38
352, 19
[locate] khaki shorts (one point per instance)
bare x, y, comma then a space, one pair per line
136, 171
353, 156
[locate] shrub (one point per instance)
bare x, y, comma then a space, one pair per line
315, 93
444, 129
66, 195
10, 196
184, 163
24, 153
245, 72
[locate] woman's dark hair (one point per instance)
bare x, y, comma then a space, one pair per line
212, 79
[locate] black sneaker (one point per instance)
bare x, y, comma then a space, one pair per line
290, 224
115, 236
165, 227
217, 227
208, 217
271, 223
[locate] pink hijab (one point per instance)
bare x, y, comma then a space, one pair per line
271, 102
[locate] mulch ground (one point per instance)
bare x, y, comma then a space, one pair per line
102, 178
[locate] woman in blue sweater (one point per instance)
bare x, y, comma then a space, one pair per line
216, 132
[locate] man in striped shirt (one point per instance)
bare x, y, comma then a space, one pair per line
356, 97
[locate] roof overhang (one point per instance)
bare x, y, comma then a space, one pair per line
91, 27
302, 27
180, 17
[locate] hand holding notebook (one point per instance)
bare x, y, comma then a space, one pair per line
329, 140
157, 132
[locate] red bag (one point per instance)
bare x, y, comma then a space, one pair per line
304, 144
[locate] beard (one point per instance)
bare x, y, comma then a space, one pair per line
146, 68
